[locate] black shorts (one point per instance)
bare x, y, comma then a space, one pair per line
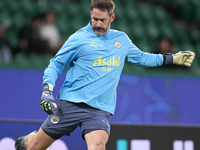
70, 115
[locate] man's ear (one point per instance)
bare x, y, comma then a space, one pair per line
112, 17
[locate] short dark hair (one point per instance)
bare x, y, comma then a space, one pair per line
108, 5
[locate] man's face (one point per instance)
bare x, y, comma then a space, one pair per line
101, 21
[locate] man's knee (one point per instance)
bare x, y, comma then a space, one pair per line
96, 140
96, 146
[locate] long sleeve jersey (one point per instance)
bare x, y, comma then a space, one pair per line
96, 63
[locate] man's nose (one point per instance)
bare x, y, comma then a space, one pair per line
99, 23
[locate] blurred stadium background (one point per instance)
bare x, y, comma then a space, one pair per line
146, 96
143, 20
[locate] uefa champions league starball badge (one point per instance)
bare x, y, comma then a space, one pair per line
54, 119
117, 44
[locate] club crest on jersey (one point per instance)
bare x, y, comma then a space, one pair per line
54, 119
117, 44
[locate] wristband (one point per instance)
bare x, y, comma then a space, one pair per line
168, 59
47, 87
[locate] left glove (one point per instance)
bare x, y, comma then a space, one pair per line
47, 101
184, 58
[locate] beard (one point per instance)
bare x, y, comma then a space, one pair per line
100, 30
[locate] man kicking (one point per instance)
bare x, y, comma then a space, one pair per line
87, 98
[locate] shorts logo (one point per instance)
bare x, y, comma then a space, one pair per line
54, 119
117, 44
106, 123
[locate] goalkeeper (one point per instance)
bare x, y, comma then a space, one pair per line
87, 98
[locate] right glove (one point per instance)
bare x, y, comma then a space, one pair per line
184, 58
47, 101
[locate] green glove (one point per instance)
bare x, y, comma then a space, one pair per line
184, 58
47, 101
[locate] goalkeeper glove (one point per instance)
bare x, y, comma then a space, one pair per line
47, 101
184, 58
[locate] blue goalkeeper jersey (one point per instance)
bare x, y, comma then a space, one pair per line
96, 63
